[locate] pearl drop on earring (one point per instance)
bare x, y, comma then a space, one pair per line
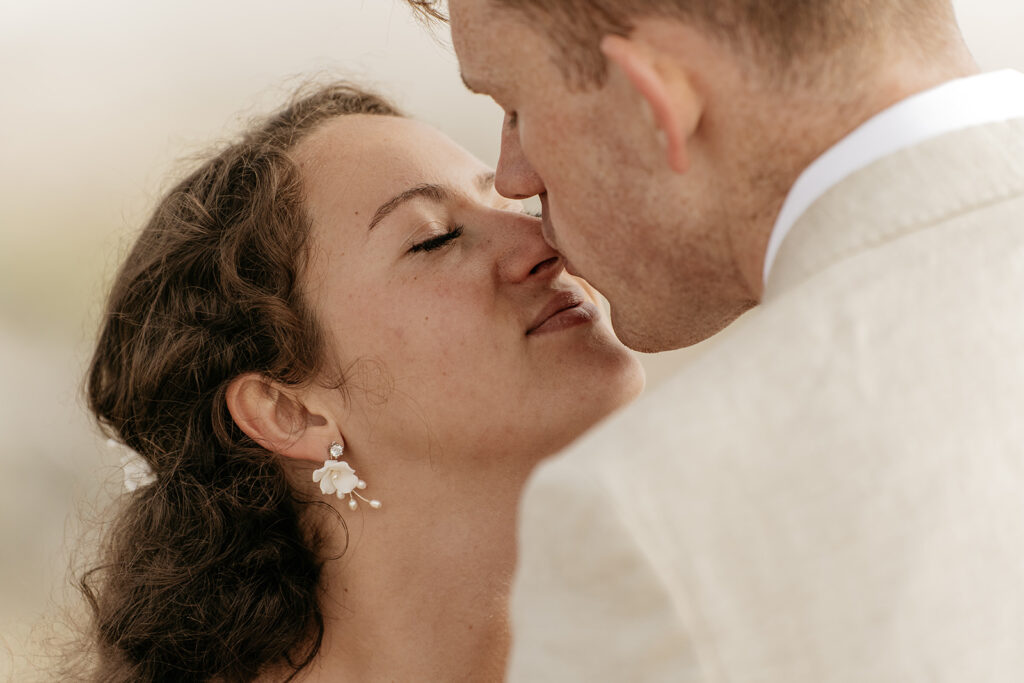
338, 477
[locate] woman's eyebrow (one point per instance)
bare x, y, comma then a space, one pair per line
435, 193
430, 191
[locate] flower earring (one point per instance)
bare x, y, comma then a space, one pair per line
337, 477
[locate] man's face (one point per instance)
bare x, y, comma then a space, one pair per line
594, 158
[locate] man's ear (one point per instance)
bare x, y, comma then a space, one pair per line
276, 417
665, 87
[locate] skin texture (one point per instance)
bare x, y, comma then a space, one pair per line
447, 403
448, 327
661, 185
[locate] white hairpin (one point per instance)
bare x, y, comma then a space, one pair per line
137, 472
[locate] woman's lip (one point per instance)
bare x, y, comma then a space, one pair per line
559, 300
579, 314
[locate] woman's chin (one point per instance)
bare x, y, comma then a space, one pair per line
630, 382
620, 383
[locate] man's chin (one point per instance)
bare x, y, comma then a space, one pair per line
648, 334
636, 335
642, 343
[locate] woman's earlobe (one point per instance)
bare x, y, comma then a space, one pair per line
666, 91
276, 419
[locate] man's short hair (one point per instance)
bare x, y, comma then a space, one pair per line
777, 33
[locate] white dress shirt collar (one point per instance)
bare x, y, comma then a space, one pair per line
956, 105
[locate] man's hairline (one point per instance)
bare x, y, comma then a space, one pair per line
575, 78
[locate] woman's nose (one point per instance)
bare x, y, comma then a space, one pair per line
515, 177
526, 255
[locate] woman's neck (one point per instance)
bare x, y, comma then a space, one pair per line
421, 591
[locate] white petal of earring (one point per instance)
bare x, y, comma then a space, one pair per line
137, 472
337, 477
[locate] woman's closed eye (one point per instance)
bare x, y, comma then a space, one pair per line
437, 241
453, 232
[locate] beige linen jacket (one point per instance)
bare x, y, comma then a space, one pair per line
834, 491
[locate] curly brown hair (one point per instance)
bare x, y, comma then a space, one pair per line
212, 572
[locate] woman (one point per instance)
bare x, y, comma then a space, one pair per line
340, 352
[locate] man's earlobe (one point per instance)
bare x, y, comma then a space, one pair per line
277, 420
665, 88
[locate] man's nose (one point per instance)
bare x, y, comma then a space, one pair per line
515, 177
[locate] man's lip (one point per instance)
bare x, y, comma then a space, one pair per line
546, 227
561, 301
548, 233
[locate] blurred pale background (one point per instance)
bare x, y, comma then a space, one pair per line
100, 103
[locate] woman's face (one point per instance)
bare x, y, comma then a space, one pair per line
455, 326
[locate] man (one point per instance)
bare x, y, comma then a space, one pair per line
834, 490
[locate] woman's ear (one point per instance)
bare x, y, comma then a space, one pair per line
275, 417
665, 87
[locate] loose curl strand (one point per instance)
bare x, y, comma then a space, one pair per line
212, 572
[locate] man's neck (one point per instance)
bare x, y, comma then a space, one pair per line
818, 119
